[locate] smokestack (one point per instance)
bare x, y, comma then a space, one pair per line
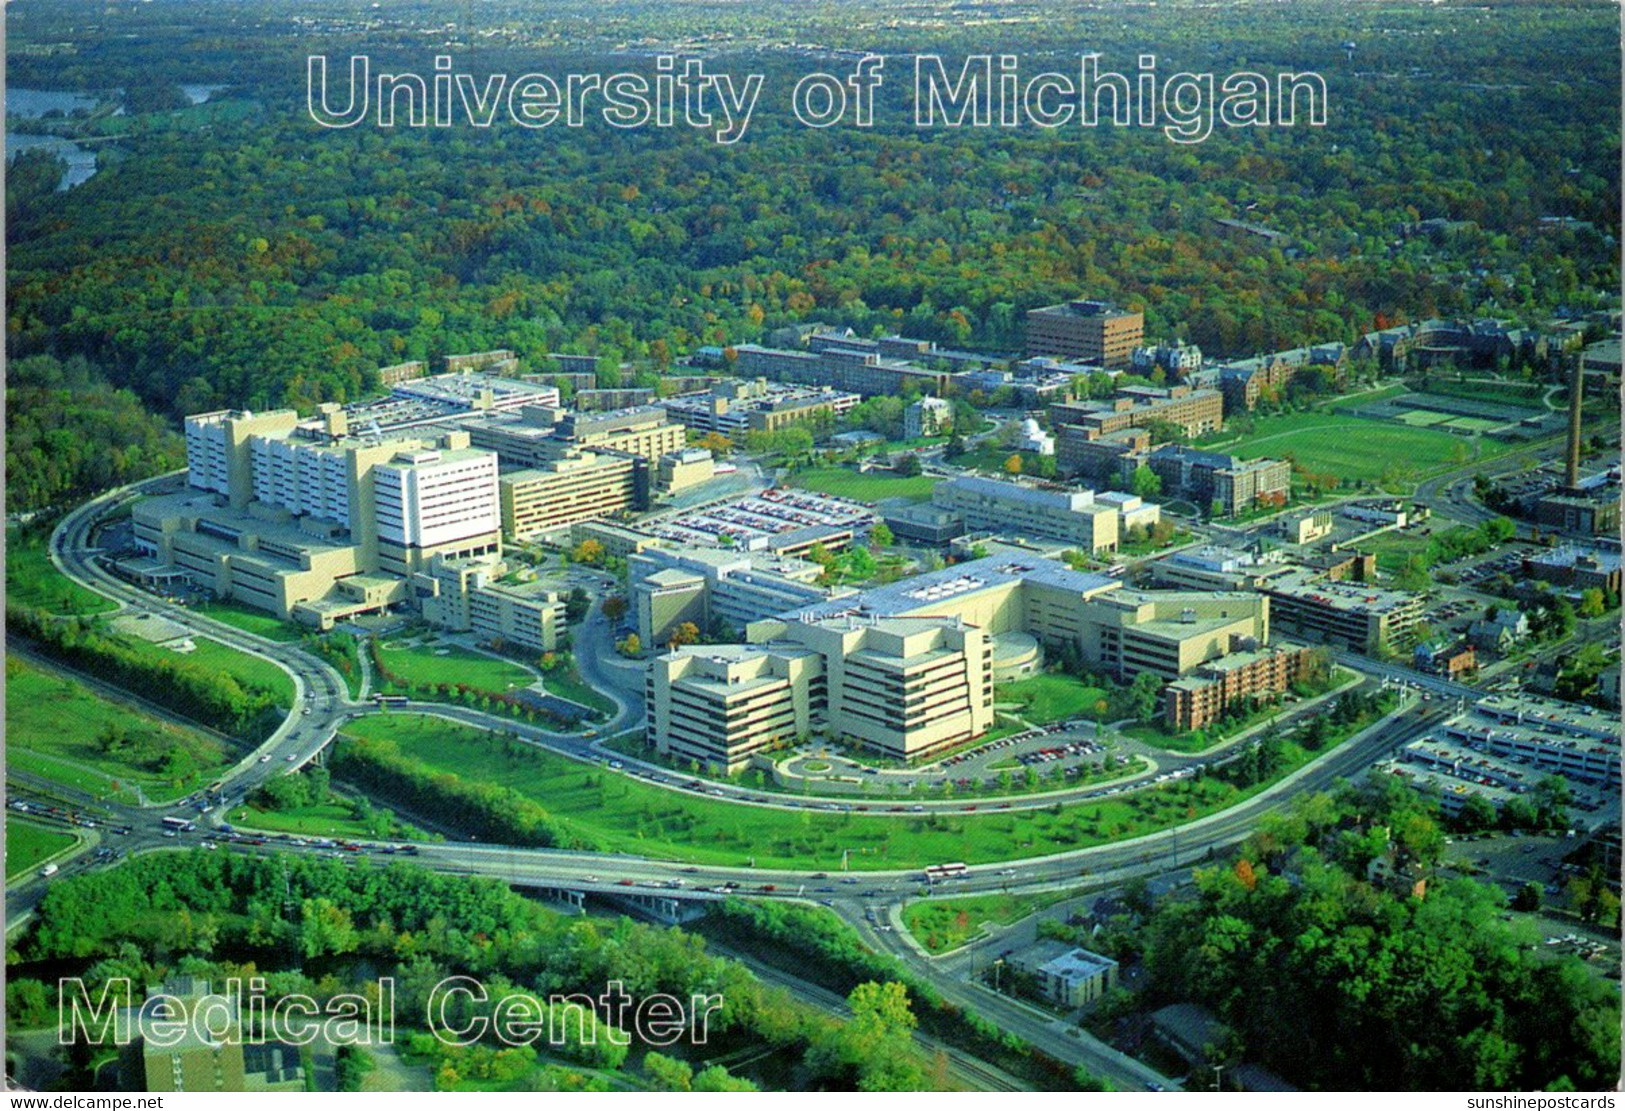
1571, 473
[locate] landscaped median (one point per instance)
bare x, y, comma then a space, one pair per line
944, 924
433, 672
505, 790
28, 846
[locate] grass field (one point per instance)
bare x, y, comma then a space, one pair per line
948, 923
250, 620
620, 814
28, 844
566, 682
1049, 697
1357, 449
1392, 549
338, 817
54, 726
32, 580
451, 664
843, 482
1526, 395
249, 670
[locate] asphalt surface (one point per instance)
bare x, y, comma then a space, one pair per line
322, 707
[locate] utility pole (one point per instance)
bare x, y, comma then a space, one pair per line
1217, 1069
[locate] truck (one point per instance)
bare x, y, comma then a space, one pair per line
48, 871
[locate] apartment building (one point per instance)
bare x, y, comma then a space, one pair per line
1202, 697
583, 485
1085, 331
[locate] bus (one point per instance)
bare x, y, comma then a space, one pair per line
936, 873
179, 825
390, 699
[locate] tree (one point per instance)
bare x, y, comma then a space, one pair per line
906, 464
668, 1073
588, 551
1528, 898
716, 443
685, 632
1593, 603
881, 536
631, 646
1012, 465
351, 1064
1144, 695
1146, 482
576, 605
1414, 575
615, 607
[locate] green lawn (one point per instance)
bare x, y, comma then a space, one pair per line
251, 671
451, 664
338, 817
32, 580
1524, 395
1392, 549
843, 482
566, 682
27, 845
54, 727
620, 814
1049, 697
1357, 449
948, 923
250, 620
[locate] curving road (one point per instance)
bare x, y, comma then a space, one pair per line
322, 706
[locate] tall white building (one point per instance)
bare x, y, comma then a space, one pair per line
429, 497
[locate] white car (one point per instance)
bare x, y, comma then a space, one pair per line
266, 759
292, 756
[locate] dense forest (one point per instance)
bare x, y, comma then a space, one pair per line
236, 253
1340, 980
314, 926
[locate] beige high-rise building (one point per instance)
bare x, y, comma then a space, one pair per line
580, 486
905, 687
310, 522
